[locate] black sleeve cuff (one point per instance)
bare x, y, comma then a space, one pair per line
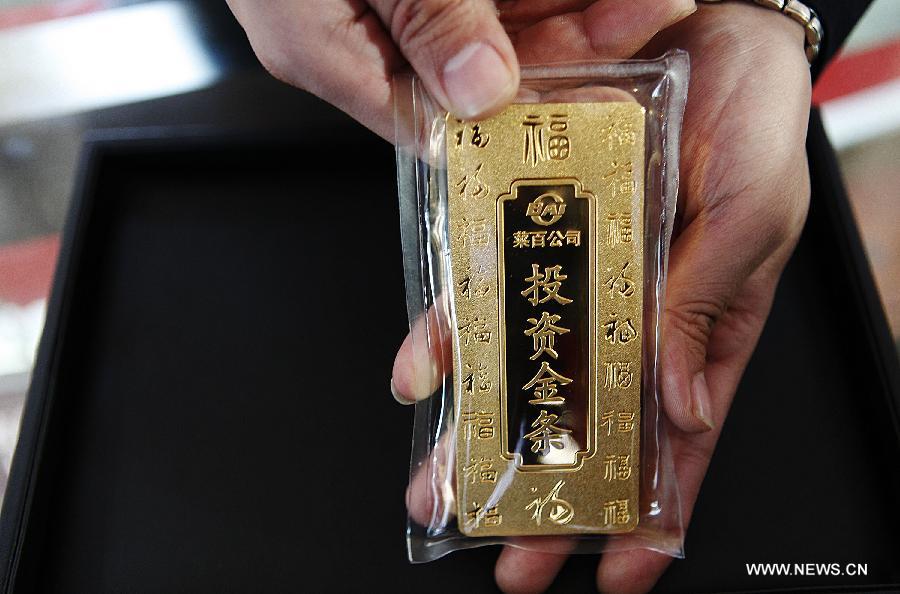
838, 19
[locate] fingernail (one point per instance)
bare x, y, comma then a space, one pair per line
397, 395
425, 375
700, 403
476, 79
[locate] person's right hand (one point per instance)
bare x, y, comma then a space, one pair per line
347, 51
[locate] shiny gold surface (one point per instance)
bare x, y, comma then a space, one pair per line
546, 234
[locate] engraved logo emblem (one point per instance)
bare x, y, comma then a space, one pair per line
546, 209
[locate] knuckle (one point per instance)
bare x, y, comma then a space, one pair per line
694, 321
782, 213
290, 63
697, 456
769, 211
279, 64
274, 67
418, 22
796, 204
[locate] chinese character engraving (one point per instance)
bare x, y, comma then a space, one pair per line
619, 132
470, 186
480, 470
616, 512
616, 467
618, 374
521, 239
478, 424
618, 229
479, 514
534, 140
478, 139
543, 334
538, 146
475, 330
621, 179
476, 378
472, 232
619, 331
623, 421
545, 286
546, 434
546, 384
621, 284
560, 511
556, 238
475, 284
606, 420
558, 147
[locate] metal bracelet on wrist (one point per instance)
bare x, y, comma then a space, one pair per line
801, 13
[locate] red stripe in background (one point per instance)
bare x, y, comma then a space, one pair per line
26, 269
854, 72
26, 15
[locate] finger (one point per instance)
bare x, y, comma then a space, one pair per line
517, 14
630, 572
355, 72
423, 359
605, 29
712, 258
523, 571
459, 49
633, 568
730, 346
429, 496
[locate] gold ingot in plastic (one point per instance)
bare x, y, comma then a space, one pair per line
545, 207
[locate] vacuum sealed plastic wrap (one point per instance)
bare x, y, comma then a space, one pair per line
535, 245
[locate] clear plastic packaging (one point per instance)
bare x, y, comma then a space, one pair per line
535, 246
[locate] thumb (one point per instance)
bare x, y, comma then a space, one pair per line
710, 262
458, 48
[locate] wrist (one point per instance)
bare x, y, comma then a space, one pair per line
754, 27
766, 37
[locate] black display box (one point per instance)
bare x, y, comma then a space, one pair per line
210, 409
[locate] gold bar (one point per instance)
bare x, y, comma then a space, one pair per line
546, 255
